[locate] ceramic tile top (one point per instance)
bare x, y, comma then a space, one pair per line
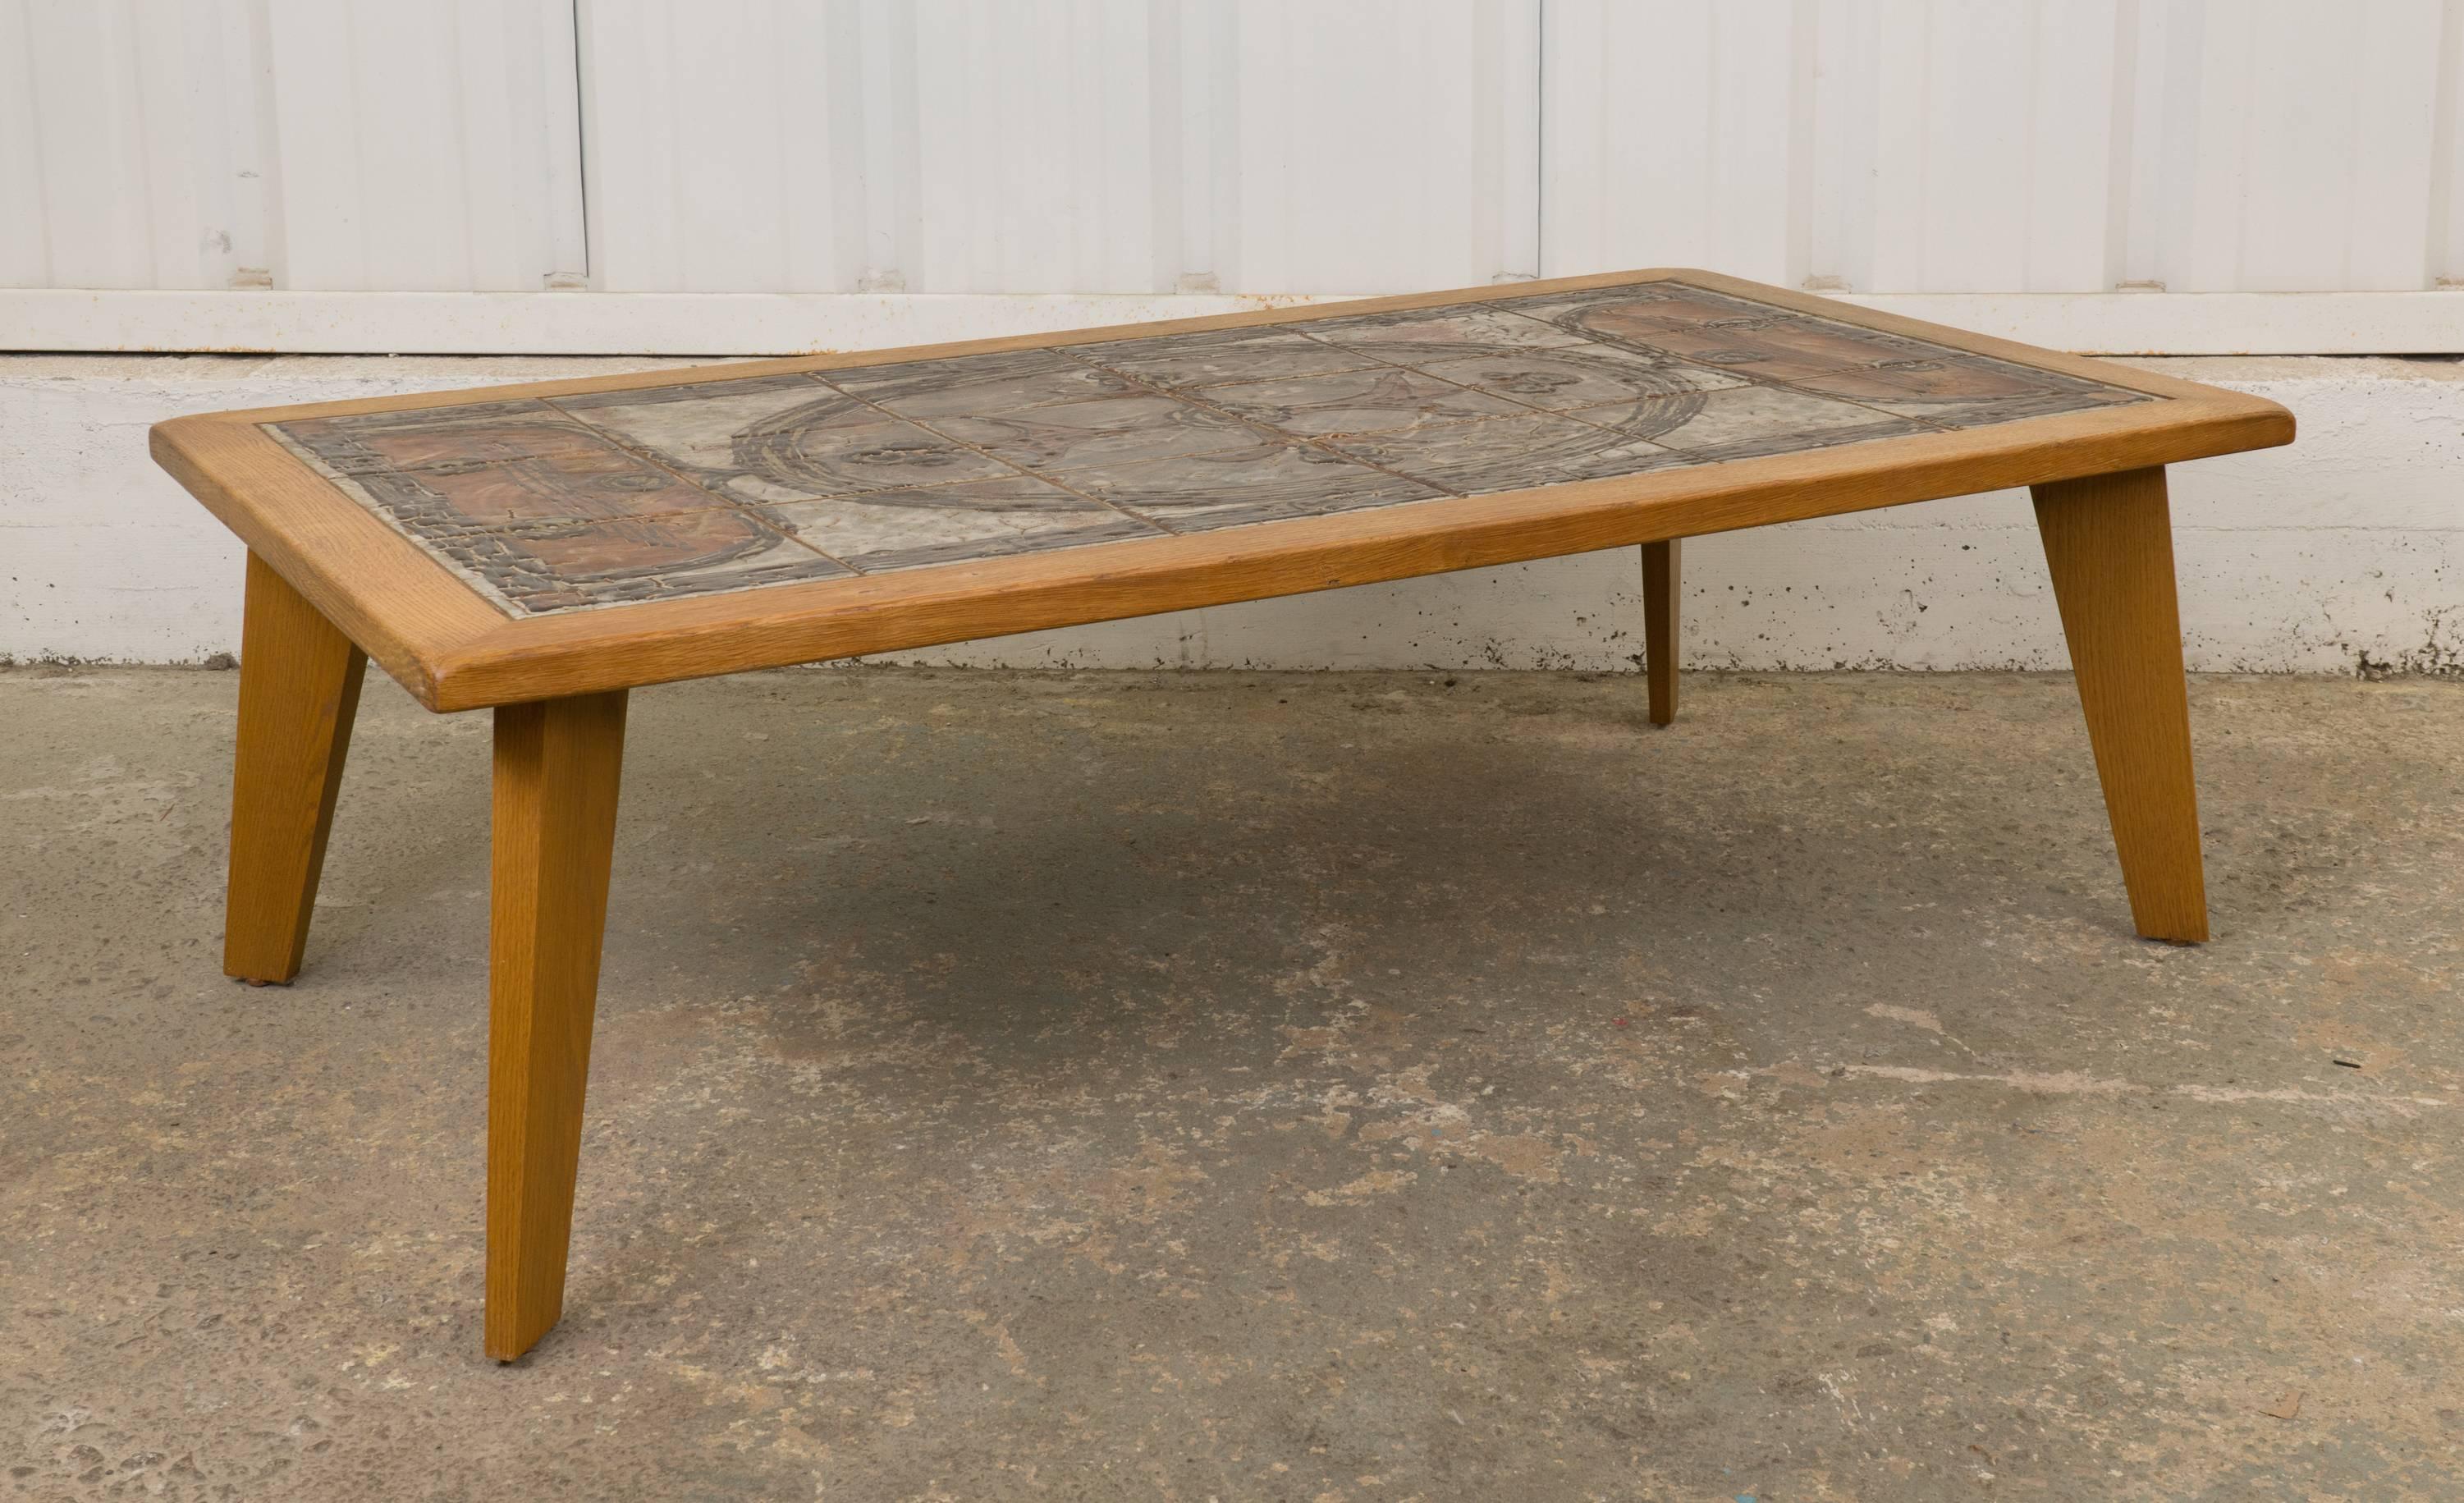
571, 503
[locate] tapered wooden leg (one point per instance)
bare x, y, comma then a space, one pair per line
557, 765
1659, 590
2109, 543
298, 691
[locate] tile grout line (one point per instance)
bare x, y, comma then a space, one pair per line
1291, 439
1750, 378
438, 544
1529, 408
1780, 384
728, 502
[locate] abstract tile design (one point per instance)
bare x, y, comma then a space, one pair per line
608, 497
1266, 482
1378, 400
971, 519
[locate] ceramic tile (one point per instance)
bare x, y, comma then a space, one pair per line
1499, 454
1263, 482
1571, 377
561, 565
1475, 326
786, 439
939, 523
1746, 422
1905, 376
1381, 399
607, 496
488, 470
980, 385
1113, 430
1193, 359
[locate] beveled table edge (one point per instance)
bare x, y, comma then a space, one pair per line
453, 649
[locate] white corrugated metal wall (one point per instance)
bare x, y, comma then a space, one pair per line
1226, 146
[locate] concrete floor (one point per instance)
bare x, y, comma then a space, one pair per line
1362, 1088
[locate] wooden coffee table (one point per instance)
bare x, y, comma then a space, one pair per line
543, 549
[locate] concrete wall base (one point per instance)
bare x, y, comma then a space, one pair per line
2342, 553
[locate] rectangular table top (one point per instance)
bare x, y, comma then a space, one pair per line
518, 541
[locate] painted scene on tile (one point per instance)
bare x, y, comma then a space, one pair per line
559, 504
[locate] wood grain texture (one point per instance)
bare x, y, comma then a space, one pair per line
1661, 586
557, 770
369, 580
2109, 545
298, 692
453, 651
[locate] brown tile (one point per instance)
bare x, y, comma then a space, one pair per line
612, 495
642, 558
508, 473
977, 385
944, 524
468, 434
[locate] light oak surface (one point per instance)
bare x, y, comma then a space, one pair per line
2109, 545
298, 691
557, 765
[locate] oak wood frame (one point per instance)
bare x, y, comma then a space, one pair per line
298, 694
454, 651
557, 769
2109, 546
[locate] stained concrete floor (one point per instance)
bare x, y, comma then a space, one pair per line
1228, 1087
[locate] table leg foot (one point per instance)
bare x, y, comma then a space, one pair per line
557, 769
2109, 544
1660, 591
298, 692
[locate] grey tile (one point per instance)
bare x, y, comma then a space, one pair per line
789, 441
1751, 421
1506, 454
977, 385
1378, 400
940, 523
1111, 431
730, 390
557, 566
1564, 310
1189, 359
1264, 482
1567, 377
605, 496
1984, 411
